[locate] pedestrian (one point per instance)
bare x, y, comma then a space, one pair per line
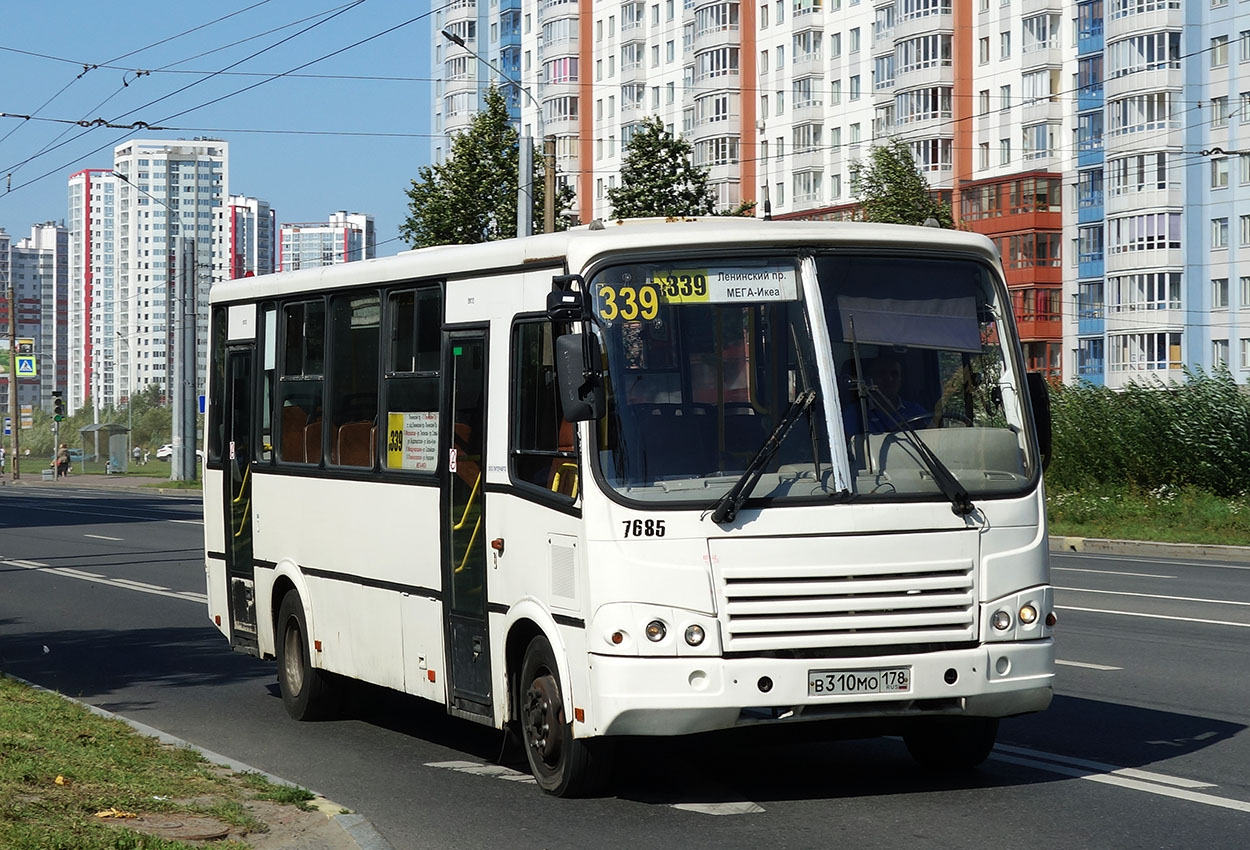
146, 455
137, 453
61, 464
1, 460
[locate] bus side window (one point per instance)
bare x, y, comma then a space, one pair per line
301, 381
410, 383
354, 351
543, 450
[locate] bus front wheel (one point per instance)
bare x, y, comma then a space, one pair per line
563, 765
951, 743
307, 692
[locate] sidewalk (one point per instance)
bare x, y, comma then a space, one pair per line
146, 477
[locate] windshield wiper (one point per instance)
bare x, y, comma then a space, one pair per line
726, 507
961, 502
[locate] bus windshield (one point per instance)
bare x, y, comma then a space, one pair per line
705, 359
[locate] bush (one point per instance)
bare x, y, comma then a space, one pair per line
1153, 435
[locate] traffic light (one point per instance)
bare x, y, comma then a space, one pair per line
58, 406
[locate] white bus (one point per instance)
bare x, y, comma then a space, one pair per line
642, 478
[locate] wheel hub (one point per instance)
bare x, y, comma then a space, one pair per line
543, 712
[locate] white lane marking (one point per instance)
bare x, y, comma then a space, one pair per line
1131, 784
102, 537
495, 771
1154, 559
1102, 767
744, 808
188, 521
1087, 665
1154, 616
1108, 572
1156, 596
142, 585
122, 583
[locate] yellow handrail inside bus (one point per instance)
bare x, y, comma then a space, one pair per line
469, 505
247, 509
243, 484
555, 480
472, 539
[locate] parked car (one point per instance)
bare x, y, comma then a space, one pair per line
75, 456
166, 452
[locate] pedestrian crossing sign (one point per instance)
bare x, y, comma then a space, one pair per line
26, 366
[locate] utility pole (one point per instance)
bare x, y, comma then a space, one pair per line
549, 182
15, 415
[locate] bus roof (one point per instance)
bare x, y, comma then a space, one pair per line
578, 247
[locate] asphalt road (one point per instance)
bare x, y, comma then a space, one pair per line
101, 597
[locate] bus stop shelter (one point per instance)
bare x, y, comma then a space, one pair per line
116, 444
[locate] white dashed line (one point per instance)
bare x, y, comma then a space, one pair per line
495, 771
102, 537
1087, 665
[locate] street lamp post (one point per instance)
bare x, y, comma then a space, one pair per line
130, 402
182, 318
526, 177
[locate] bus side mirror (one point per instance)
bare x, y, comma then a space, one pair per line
1039, 399
565, 304
577, 377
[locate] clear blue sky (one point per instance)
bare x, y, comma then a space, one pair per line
305, 177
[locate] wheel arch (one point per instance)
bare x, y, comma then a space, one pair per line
525, 621
287, 577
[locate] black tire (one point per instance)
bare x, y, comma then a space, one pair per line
951, 743
564, 766
307, 692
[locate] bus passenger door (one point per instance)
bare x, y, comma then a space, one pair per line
464, 529
237, 459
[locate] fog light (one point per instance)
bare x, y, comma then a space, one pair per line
656, 631
1028, 615
1001, 620
694, 635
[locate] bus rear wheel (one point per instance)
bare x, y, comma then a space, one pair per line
563, 765
951, 743
308, 693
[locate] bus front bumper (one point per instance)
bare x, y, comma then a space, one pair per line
677, 696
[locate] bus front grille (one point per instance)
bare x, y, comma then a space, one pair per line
852, 603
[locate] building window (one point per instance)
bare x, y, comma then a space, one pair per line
1219, 353
1219, 51
984, 153
1004, 151
1004, 98
1245, 354
1219, 112
1004, 45
1219, 233
983, 50
1219, 293
1219, 173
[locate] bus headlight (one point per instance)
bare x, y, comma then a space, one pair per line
656, 631
694, 635
1001, 620
1028, 615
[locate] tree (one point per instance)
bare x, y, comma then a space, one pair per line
658, 177
890, 189
471, 197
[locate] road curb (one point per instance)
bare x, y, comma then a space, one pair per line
355, 827
1149, 549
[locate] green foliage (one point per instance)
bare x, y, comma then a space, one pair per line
1166, 514
658, 177
745, 209
1151, 435
151, 423
471, 197
890, 188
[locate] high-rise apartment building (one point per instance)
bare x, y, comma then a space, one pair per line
251, 236
1100, 143
40, 266
342, 239
91, 330
170, 209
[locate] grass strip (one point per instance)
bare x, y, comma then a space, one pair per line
60, 765
1165, 515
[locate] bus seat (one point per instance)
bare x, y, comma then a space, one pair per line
312, 442
294, 420
678, 439
563, 478
468, 453
354, 444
